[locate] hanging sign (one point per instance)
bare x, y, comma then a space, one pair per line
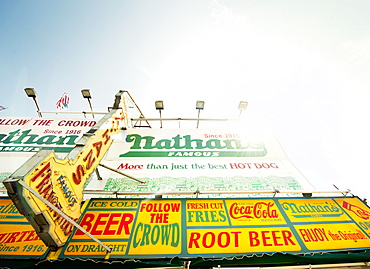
61, 181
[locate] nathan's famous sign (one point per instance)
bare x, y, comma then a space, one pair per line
189, 228
44, 179
33, 134
206, 145
18, 239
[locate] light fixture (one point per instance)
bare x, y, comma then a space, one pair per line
32, 93
200, 106
159, 106
87, 94
242, 106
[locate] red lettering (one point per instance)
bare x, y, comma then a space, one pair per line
227, 240
90, 160
99, 222
41, 172
253, 239
287, 235
12, 237
110, 222
209, 239
213, 239
98, 146
86, 223
106, 136
127, 218
80, 171
32, 236
275, 238
265, 238
194, 237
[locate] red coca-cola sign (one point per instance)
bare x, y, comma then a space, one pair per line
257, 211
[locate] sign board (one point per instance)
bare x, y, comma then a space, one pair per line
29, 135
166, 159
175, 160
188, 228
18, 239
22, 137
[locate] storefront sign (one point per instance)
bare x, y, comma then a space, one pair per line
217, 227
18, 239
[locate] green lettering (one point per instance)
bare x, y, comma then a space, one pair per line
166, 230
175, 234
71, 140
137, 141
135, 242
10, 136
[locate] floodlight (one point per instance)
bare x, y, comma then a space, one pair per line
200, 105
159, 105
86, 93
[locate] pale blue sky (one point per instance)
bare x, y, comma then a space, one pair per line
303, 63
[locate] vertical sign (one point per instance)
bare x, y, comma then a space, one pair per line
61, 182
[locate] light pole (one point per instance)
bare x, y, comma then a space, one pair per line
159, 106
86, 94
200, 106
242, 106
32, 93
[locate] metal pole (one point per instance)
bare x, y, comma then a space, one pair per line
198, 118
160, 116
119, 172
63, 215
37, 106
88, 99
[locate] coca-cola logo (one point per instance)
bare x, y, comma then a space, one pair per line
258, 210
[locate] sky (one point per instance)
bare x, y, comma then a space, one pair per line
301, 65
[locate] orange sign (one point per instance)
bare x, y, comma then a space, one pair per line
18, 239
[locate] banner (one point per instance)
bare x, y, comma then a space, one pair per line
188, 228
18, 239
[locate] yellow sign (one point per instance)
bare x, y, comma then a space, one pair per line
332, 236
61, 182
357, 210
158, 228
215, 227
205, 212
313, 210
18, 239
256, 212
241, 240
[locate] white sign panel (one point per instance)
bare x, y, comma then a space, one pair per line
174, 160
165, 159
20, 138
